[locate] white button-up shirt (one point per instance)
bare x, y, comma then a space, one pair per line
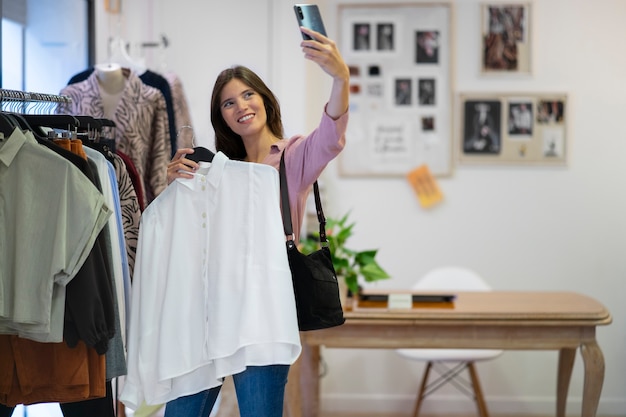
212, 289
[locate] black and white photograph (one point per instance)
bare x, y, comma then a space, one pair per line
550, 111
362, 37
403, 89
520, 118
385, 37
553, 143
426, 91
513, 128
482, 126
373, 71
428, 124
427, 47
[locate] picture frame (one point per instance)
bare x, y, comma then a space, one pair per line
512, 128
401, 101
113, 6
506, 38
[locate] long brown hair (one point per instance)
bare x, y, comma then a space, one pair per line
226, 140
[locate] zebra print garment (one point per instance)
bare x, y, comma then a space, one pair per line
141, 130
182, 116
129, 206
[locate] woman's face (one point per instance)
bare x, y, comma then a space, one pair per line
242, 108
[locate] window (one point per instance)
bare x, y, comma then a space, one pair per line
44, 43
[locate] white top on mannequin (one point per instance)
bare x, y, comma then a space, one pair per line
112, 82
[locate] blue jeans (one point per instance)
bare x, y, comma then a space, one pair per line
260, 393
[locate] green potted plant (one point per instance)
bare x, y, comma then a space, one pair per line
349, 264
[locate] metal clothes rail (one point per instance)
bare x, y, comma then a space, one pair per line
24, 96
30, 102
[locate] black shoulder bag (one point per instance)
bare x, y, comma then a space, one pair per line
314, 279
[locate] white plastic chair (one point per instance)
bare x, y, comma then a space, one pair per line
450, 363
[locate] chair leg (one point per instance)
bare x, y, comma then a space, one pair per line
480, 400
422, 388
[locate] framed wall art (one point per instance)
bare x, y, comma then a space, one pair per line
513, 129
506, 40
400, 93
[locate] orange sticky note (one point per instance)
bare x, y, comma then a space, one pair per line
425, 186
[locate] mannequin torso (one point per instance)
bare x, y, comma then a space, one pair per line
112, 82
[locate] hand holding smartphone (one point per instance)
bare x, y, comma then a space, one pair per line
308, 15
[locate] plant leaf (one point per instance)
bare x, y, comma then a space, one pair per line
373, 272
365, 257
349, 264
352, 284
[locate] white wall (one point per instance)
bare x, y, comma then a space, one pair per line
522, 228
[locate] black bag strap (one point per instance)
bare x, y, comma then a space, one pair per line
286, 210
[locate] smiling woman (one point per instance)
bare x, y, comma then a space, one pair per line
242, 104
259, 309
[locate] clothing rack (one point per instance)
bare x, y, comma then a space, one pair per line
16, 104
164, 42
30, 102
24, 96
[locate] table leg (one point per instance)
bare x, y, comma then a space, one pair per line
293, 393
566, 364
478, 392
594, 377
309, 380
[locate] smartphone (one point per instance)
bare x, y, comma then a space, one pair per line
308, 15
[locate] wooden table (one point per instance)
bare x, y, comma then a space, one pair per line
563, 321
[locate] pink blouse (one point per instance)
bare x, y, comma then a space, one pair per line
305, 159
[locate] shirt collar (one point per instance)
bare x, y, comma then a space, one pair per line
11, 146
277, 147
217, 169
212, 171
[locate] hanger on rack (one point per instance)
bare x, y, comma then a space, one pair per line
89, 131
22, 101
23, 124
54, 121
106, 122
118, 54
40, 124
19, 121
17, 105
7, 125
162, 45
